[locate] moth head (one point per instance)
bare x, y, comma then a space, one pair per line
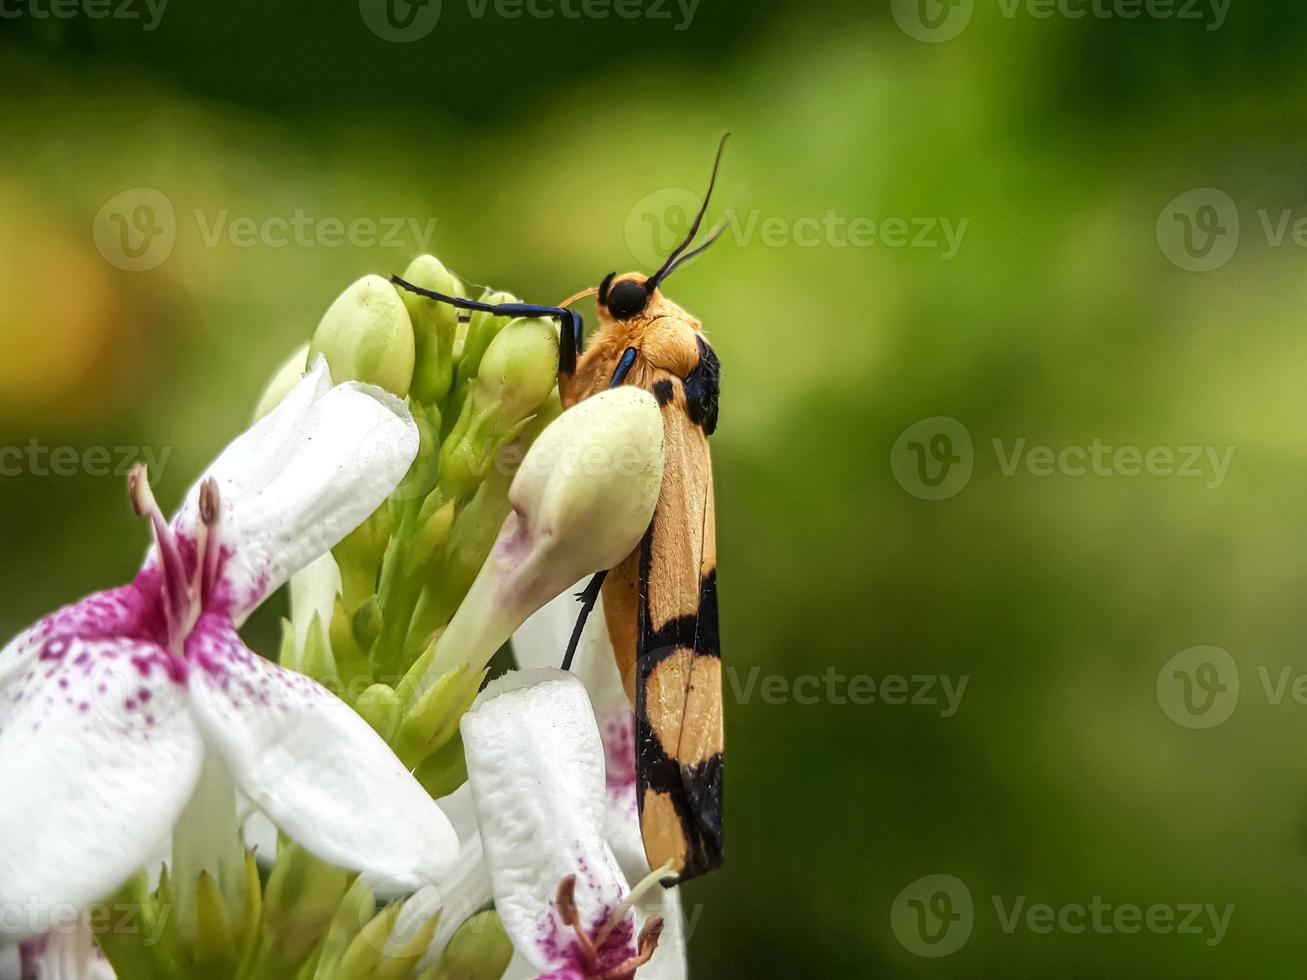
627, 297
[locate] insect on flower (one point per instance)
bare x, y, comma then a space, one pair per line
661, 601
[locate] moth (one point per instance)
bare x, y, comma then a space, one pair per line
660, 604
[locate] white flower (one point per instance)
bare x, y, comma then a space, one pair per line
549, 817
109, 707
540, 642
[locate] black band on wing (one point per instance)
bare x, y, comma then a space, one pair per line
703, 388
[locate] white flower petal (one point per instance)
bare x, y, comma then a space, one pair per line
255, 457
458, 807
102, 614
313, 765
467, 890
66, 953
300, 480
536, 767
520, 968
541, 641
98, 755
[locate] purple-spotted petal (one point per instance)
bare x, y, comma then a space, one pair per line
112, 613
536, 765
312, 764
298, 481
540, 641
98, 755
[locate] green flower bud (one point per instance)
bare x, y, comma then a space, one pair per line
367, 622
520, 368
481, 329
359, 556
432, 709
366, 336
479, 950
285, 378
515, 379
381, 708
435, 326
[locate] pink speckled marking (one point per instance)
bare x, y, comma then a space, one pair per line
560, 945
107, 674
619, 760
241, 675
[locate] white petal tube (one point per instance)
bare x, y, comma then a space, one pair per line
536, 767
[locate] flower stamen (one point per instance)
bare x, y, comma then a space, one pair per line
645, 946
208, 549
568, 915
641, 888
176, 590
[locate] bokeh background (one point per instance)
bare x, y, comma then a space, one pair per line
538, 153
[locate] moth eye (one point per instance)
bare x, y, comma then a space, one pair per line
626, 299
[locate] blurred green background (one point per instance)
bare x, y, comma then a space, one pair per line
551, 150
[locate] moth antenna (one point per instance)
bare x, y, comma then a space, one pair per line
667, 267
575, 296
715, 234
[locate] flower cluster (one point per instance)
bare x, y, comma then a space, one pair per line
365, 805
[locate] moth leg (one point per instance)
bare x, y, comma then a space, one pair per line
571, 334
588, 596
623, 367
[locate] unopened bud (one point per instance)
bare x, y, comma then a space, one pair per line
479, 950
586, 490
582, 499
519, 369
435, 325
283, 381
366, 336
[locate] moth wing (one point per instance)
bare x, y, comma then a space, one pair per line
678, 680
